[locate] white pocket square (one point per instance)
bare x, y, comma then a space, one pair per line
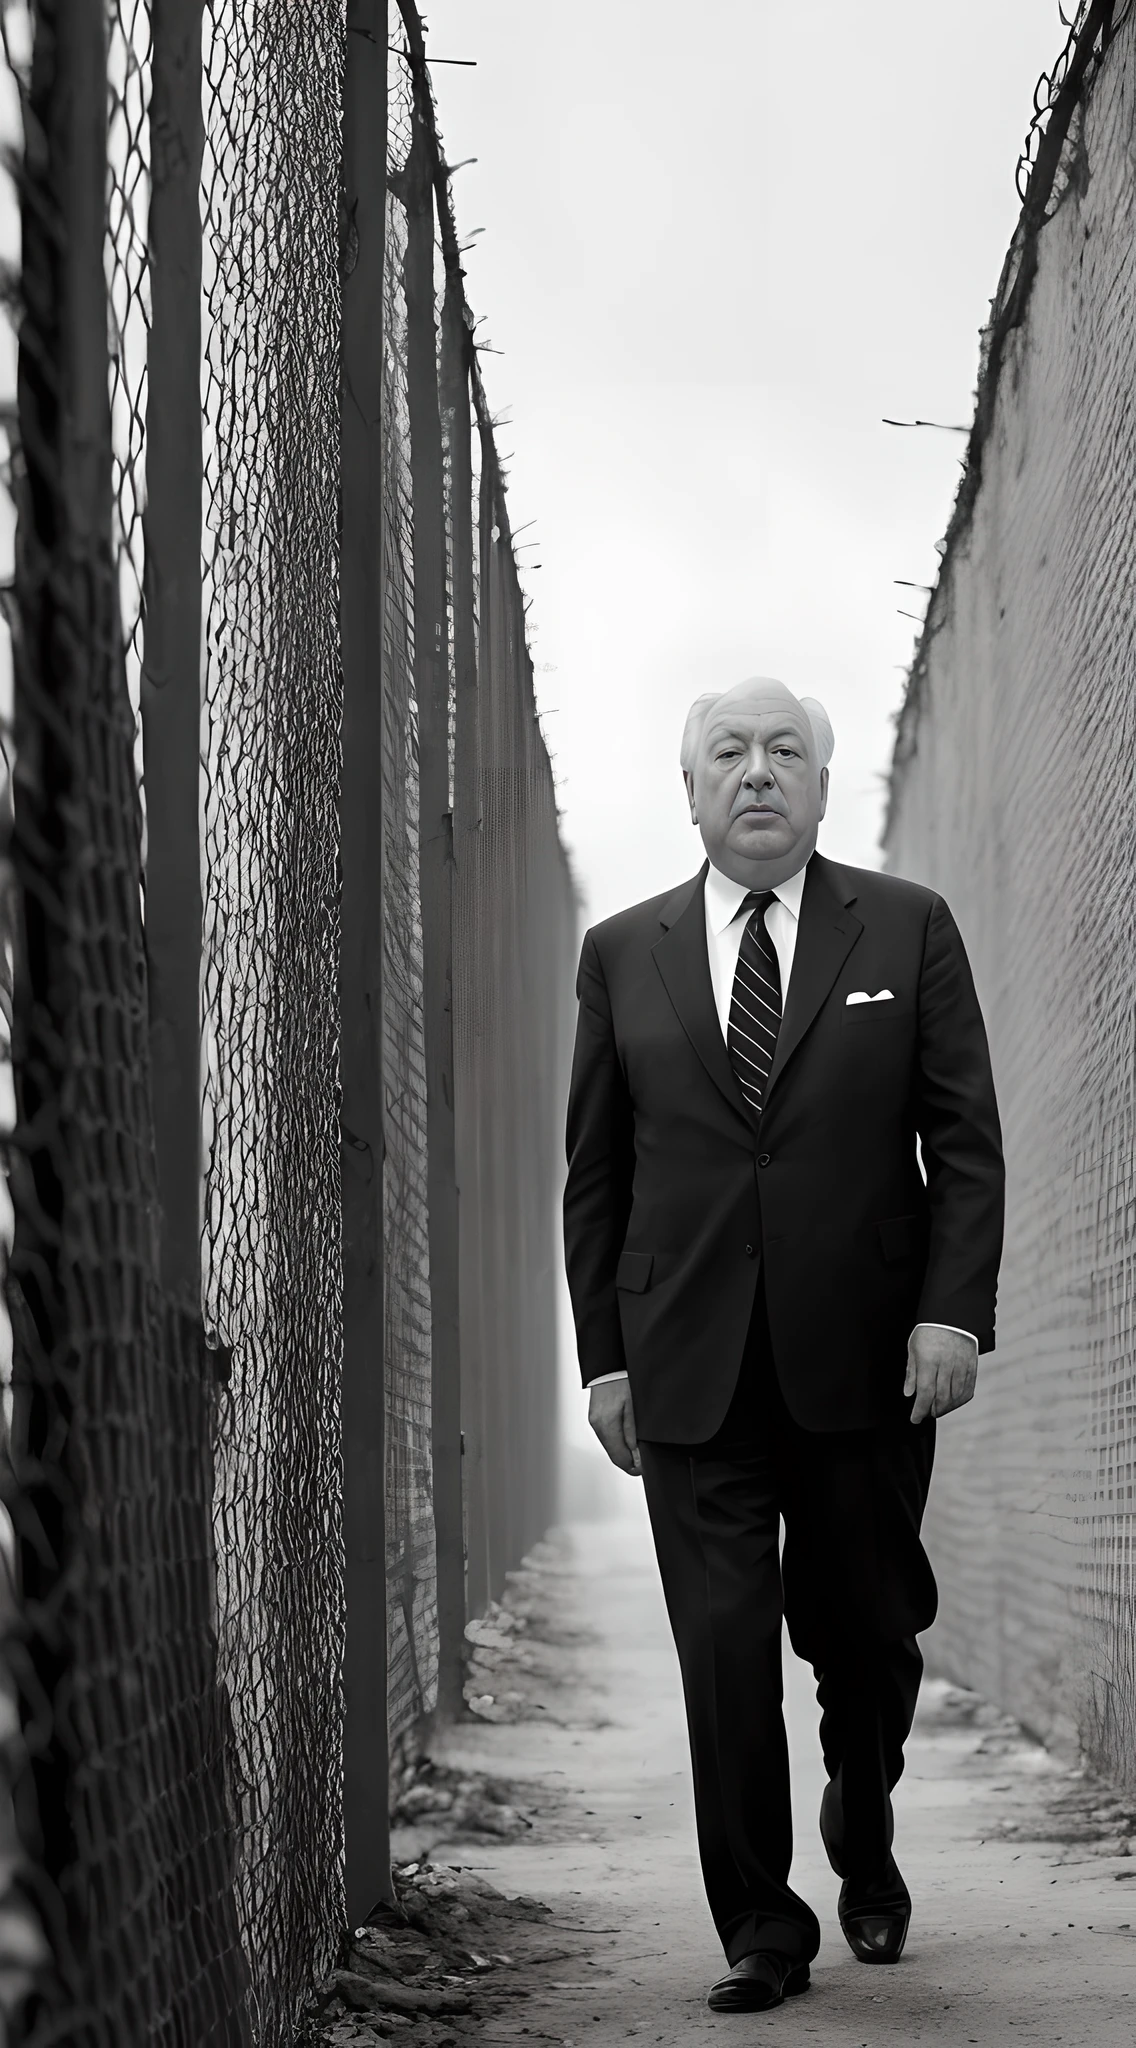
860, 995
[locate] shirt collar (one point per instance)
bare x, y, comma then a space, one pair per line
724, 897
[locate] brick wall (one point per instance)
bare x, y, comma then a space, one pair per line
1012, 793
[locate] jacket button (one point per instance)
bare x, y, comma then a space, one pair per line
763, 1158
751, 1251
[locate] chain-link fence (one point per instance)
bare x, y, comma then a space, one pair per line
1012, 792
200, 1205
120, 1798
517, 917
412, 1646
272, 704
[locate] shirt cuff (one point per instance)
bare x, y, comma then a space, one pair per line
948, 1326
602, 1377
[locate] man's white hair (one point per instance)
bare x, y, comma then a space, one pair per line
823, 737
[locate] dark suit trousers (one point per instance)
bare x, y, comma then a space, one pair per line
854, 1586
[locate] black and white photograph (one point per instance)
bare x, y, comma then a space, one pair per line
567, 1024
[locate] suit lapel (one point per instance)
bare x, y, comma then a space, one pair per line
682, 960
826, 934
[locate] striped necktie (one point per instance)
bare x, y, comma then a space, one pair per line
755, 1003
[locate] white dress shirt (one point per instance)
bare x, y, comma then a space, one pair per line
724, 929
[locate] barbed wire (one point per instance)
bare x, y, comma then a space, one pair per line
1091, 28
1043, 177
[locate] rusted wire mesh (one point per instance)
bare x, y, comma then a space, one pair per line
514, 964
272, 1277
175, 1484
412, 1641
119, 1789
126, 252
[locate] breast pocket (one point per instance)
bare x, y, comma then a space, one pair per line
875, 1016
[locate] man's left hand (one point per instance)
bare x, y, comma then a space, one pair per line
942, 1370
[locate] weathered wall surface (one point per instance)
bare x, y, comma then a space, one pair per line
1012, 793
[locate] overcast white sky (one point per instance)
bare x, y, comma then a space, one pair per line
719, 245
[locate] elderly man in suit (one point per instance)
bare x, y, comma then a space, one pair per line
783, 1223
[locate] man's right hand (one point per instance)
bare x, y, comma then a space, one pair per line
612, 1417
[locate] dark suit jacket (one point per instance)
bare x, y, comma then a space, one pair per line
678, 1195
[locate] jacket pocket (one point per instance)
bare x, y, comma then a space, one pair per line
898, 1238
871, 1015
634, 1271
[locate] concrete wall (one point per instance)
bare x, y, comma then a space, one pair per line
1012, 793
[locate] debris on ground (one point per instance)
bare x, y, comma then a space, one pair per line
1053, 1800
522, 1661
454, 1957
496, 1654
456, 1803
1079, 1813
450, 1955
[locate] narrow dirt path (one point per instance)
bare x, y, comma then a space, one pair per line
1023, 1871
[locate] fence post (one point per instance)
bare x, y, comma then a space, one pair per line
436, 869
365, 1763
485, 1061
171, 666
455, 360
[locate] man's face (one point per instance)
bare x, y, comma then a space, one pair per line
756, 792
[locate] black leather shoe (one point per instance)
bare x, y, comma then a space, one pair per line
875, 1915
757, 1982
